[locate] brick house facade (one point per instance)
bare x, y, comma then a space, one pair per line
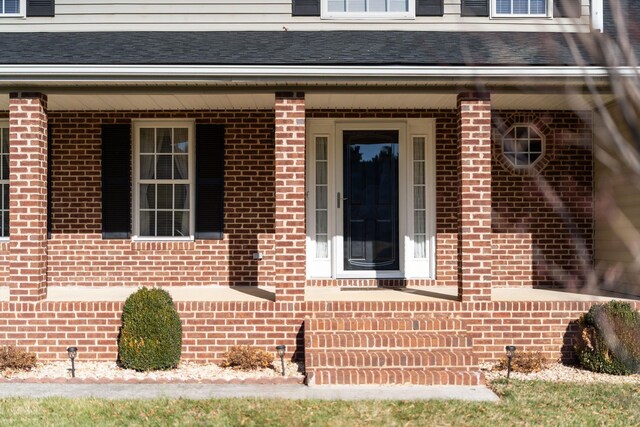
496, 220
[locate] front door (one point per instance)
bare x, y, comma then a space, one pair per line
370, 214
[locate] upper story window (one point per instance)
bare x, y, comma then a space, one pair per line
12, 7
363, 9
522, 8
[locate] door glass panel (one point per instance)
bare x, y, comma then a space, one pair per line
371, 200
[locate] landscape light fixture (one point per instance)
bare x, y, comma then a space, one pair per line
72, 352
511, 350
281, 349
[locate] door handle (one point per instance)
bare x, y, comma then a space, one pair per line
340, 199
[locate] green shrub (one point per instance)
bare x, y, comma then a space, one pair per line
246, 358
524, 362
16, 359
151, 334
609, 339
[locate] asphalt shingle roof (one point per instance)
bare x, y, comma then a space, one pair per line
292, 48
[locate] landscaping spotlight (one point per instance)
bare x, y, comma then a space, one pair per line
72, 352
511, 350
281, 349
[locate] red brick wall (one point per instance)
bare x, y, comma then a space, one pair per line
210, 328
79, 256
552, 209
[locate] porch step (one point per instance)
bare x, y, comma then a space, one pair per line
429, 350
396, 376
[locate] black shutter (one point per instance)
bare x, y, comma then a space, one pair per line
429, 7
49, 175
305, 7
567, 9
475, 8
41, 7
209, 181
116, 181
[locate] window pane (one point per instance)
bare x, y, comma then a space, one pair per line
337, 5
418, 197
12, 6
147, 137
520, 6
165, 196
181, 166
419, 222
503, 6
321, 148
4, 194
163, 140
418, 148
321, 222
377, 6
147, 164
321, 197
5, 166
399, 5
147, 196
5, 140
180, 140
181, 224
321, 173
539, 7
5, 224
147, 223
164, 167
356, 5
165, 223
418, 173
181, 196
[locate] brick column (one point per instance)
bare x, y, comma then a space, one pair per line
290, 234
474, 197
28, 196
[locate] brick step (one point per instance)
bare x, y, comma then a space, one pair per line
384, 340
431, 323
395, 376
357, 359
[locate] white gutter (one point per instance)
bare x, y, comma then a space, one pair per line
29, 73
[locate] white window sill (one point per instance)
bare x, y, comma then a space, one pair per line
162, 239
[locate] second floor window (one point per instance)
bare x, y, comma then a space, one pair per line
520, 7
368, 8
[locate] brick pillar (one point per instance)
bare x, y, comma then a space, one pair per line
28, 196
290, 234
474, 197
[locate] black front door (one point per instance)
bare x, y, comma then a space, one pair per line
371, 200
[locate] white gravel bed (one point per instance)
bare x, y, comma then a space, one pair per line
186, 371
558, 372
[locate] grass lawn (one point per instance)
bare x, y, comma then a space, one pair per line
523, 403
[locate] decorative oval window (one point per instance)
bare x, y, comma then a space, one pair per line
523, 146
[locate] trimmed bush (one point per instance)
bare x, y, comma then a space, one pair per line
246, 358
151, 333
13, 358
609, 339
524, 362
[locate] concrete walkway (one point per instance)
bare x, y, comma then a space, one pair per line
261, 391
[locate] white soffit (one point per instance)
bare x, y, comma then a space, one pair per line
323, 100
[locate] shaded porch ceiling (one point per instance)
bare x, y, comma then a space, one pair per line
347, 99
